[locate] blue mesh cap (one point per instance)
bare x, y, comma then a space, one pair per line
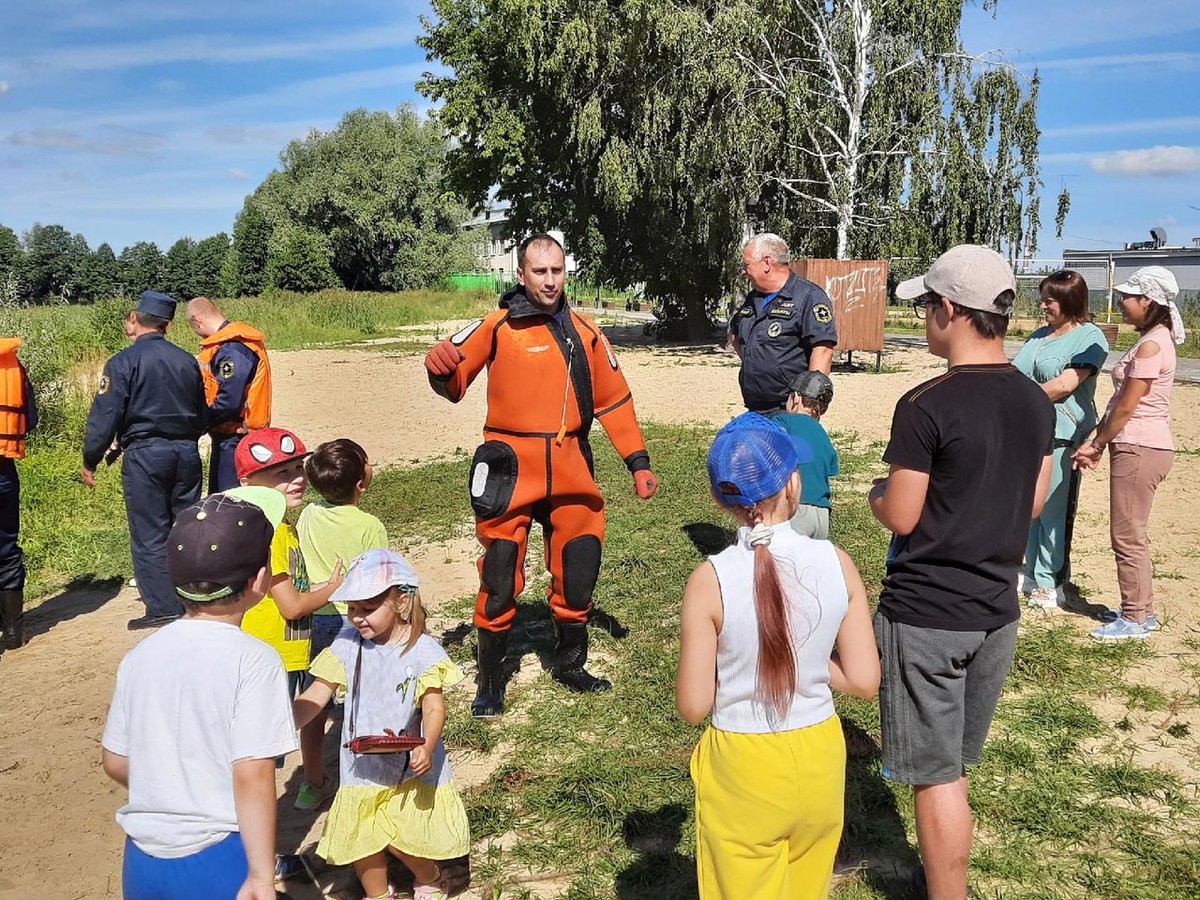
752, 458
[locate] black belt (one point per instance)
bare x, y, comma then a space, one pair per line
1063, 443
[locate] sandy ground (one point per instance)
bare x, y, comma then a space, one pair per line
57, 831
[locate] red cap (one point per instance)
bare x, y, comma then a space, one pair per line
265, 448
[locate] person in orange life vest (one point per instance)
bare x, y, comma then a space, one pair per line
550, 373
18, 415
237, 385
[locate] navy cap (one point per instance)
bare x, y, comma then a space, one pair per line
152, 303
752, 459
221, 542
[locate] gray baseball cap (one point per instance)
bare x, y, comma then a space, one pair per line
970, 275
814, 385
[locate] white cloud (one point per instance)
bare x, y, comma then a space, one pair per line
242, 134
4, 88
124, 143
1165, 60
1129, 126
239, 174
211, 49
1150, 161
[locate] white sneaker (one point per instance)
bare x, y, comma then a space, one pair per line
1046, 597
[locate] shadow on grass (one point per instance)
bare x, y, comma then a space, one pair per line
660, 872
709, 539
533, 632
874, 843
81, 596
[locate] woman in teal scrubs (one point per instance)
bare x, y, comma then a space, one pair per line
1064, 357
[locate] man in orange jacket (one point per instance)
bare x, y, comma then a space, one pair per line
237, 385
18, 415
551, 372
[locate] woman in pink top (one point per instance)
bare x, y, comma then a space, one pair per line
1137, 424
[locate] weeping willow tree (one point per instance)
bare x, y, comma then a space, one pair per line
615, 122
654, 132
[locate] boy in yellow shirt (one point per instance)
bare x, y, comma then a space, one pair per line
274, 458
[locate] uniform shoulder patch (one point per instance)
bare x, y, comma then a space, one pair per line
226, 369
823, 313
105, 384
463, 333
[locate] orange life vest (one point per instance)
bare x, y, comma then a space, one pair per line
256, 406
12, 400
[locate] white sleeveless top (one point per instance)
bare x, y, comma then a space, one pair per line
815, 589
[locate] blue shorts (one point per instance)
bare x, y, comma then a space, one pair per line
215, 873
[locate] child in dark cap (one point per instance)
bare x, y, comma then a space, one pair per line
199, 714
810, 394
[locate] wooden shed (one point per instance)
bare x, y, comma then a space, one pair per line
858, 288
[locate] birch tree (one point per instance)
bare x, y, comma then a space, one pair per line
884, 108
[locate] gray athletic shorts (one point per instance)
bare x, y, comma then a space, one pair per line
812, 521
937, 697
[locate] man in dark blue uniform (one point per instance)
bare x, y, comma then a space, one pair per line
18, 416
151, 399
784, 326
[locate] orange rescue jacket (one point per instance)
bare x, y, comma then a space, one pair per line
546, 378
12, 400
256, 407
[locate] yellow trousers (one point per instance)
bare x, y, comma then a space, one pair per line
769, 811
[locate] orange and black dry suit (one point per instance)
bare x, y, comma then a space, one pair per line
548, 378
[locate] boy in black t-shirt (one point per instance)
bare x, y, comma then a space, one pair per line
970, 466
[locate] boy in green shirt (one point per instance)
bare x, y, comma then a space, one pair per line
333, 531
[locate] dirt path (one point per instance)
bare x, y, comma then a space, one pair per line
57, 830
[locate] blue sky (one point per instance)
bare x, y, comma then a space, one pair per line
132, 121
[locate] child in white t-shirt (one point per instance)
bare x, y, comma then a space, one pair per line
199, 714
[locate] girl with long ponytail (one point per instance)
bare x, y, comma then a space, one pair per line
760, 624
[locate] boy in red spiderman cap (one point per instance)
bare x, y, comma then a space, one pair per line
274, 458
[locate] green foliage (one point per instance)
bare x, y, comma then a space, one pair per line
653, 132
244, 270
371, 192
624, 124
207, 264
177, 269
141, 267
299, 261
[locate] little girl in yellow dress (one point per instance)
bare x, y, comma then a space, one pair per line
392, 674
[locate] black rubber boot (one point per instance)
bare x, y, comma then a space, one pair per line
12, 615
572, 649
489, 683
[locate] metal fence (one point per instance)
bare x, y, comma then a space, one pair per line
1097, 273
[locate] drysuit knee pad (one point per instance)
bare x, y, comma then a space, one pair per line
581, 569
500, 577
493, 479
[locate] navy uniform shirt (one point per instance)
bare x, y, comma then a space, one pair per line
777, 337
233, 365
151, 389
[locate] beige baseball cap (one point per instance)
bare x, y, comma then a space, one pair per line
970, 275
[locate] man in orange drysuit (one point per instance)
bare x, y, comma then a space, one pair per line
237, 385
550, 373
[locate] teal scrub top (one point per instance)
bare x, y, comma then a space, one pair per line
1044, 358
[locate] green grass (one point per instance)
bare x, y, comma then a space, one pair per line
598, 787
